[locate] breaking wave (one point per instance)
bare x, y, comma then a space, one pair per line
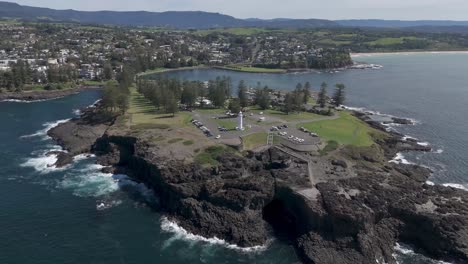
403, 252
44, 162
400, 159
463, 187
43, 132
182, 234
88, 181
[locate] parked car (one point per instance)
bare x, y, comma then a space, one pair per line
218, 136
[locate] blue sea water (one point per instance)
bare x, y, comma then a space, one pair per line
80, 215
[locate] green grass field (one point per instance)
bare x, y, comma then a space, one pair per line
143, 115
390, 41
291, 117
214, 111
335, 42
210, 154
346, 130
229, 124
253, 141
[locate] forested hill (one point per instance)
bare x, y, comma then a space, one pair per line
183, 20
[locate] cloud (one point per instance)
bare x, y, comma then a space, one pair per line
330, 9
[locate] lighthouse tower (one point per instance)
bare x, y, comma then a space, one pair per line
241, 121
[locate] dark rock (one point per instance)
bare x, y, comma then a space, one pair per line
340, 163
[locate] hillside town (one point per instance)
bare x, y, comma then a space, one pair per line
37, 54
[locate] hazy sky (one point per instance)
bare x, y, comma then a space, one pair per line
328, 9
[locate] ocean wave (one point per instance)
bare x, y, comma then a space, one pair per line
43, 132
407, 251
44, 162
400, 159
104, 205
88, 181
182, 234
463, 187
439, 151
137, 189
30, 101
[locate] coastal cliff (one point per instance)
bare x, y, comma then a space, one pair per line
360, 206
43, 94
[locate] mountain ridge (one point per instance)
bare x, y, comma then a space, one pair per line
205, 20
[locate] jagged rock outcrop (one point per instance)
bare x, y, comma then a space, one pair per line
355, 219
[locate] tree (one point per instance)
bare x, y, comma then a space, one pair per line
108, 72
234, 105
262, 97
242, 94
306, 92
339, 96
289, 103
322, 95
171, 105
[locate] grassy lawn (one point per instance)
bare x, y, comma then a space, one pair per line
143, 115
288, 118
335, 42
213, 111
148, 72
209, 155
346, 130
92, 83
228, 123
390, 41
254, 140
253, 69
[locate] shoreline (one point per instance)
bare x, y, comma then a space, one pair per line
369, 54
41, 95
185, 198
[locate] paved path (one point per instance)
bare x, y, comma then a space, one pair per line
312, 192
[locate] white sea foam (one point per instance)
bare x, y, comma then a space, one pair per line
430, 183
405, 138
439, 151
182, 234
143, 191
44, 162
457, 186
403, 249
43, 132
104, 205
407, 251
30, 101
95, 103
400, 159
89, 181
76, 112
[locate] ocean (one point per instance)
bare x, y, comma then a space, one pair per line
80, 215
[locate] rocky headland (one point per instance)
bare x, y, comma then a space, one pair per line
43, 94
354, 207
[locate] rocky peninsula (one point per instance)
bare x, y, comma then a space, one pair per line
354, 207
43, 94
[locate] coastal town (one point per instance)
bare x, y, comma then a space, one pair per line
233, 161
43, 54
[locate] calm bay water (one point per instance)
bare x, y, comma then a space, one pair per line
80, 215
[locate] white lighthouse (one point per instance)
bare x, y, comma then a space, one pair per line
241, 121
